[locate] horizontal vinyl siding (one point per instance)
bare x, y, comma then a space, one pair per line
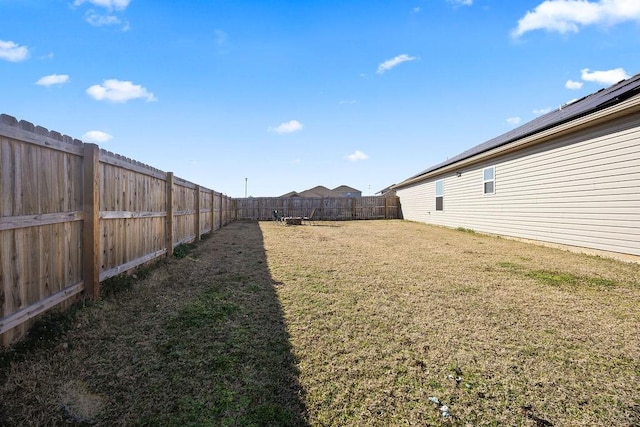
581, 190
421, 200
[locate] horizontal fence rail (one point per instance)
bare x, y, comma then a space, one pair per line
322, 208
72, 215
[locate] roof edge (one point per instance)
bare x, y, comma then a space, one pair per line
628, 106
600, 100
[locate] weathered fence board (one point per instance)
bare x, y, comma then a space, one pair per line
184, 203
327, 208
13, 222
40, 216
72, 215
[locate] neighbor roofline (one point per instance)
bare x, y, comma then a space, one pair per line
624, 108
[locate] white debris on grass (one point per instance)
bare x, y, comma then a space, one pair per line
445, 411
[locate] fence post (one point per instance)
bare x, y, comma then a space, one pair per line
197, 220
213, 209
386, 208
91, 225
221, 211
353, 208
169, 219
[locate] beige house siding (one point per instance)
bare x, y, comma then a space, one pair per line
582, 189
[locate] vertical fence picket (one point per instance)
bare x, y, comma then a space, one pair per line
91, 229
169, 218
323, 208
197, 209
82, 215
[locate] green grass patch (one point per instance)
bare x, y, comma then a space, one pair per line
601, 282
558, 278
555, 278
207, 309
183, 250
466, 230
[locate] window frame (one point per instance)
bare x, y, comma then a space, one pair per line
439, 194
485, 181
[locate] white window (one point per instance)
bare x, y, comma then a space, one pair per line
489, 180
439, 195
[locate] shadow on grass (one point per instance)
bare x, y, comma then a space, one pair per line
227, 351
198, 341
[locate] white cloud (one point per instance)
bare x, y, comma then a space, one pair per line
514, 121
107, 4
101, 20
356, 156
565, 16
96, 136
570, 84
351, 101
462, 2
390, 63
98, 20
541, 111
53, 79
608, 77
415, 10
287, 127
119, 91
12, 52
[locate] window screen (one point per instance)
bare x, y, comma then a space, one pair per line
439, 195
489, 180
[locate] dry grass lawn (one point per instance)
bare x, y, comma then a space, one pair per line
346, 323
383, 316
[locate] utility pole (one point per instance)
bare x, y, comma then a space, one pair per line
245, 187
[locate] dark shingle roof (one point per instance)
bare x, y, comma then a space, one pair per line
322, 191
589, 104
317, 191
290, 194
345, 189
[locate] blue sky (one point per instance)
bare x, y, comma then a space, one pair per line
294, 94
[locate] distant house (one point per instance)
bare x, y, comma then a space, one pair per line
387, 191
321, 191
570, 177
290, 194
346, 191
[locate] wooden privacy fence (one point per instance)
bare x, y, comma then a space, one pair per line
323, 208
72, 215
